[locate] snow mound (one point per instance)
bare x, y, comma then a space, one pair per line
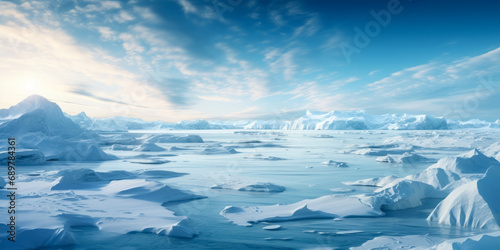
149, 147
330, 206
148, 190
373, 182
86, 178
474, 204
256, 187
404, 158
473, 162
166, 138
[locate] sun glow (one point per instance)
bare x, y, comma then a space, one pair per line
31, 86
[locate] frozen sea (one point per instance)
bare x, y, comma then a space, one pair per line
300, 170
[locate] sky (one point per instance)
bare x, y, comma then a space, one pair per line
177, 60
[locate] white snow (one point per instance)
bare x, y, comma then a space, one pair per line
272, 227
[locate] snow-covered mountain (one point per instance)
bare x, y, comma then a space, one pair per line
335, 120
52, 116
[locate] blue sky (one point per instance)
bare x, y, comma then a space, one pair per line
232, 59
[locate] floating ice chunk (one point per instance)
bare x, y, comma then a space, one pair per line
336, 164
149, 147
256, 187
148, 190
87, 178
404, 158
159, 174
2, 183
330, 206
272, 227
474, 204
373, 182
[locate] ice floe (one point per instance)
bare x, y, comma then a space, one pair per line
330, 206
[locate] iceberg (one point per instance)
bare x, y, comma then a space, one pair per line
48, 134
474, 204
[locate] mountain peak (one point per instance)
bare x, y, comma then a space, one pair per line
29, 104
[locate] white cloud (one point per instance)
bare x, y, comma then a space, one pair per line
310, 27
146, 14
123, 16
107, 33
